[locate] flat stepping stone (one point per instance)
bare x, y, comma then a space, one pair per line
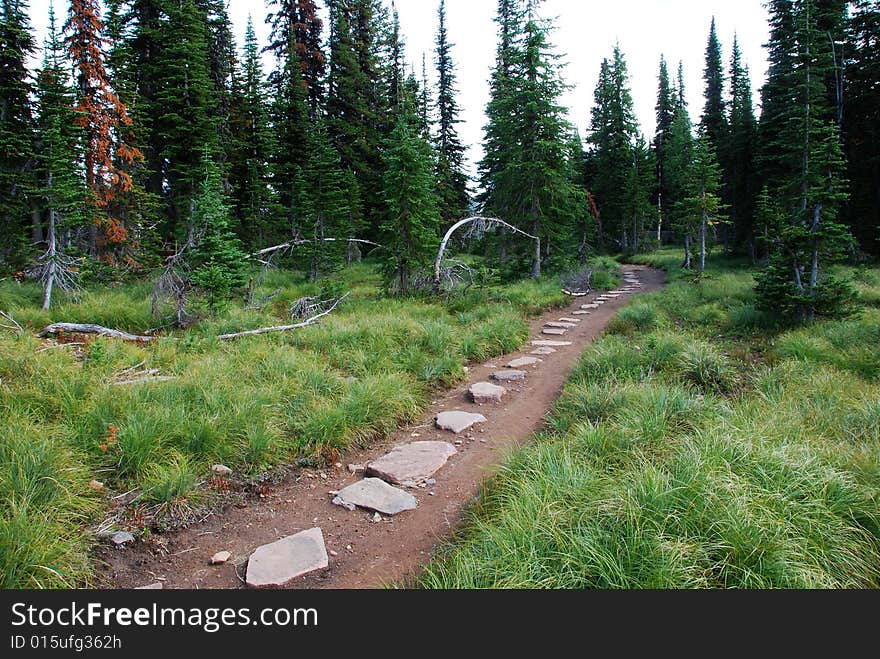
554, 332
570, 320
551, 344
582, 313
486, 392
277, 564
591, 306
376, 495
509, 376
561, 325
458, 422
524, 361
543, 351
412, 463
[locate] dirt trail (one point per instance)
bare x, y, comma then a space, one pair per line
364, 553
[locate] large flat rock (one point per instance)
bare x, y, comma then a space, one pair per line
543, 351
277, 564
509, 376
486, 392
571, 320
551, 344
458, 422
412, 463
582, 313
554, 332
561, 325
590, 307
523, 362
377, 495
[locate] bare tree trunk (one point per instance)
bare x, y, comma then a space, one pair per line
687, 252
51, 265
703, 226
536, 264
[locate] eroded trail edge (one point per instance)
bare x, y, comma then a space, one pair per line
365, 549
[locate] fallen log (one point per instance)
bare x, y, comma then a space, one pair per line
77, 328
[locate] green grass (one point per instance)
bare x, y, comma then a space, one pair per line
698, 445
252, 404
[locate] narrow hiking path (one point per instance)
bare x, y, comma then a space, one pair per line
365, 549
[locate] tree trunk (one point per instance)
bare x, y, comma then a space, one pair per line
687, 252
536, 264
704, 223
51, 263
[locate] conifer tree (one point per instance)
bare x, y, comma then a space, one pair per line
613, 133
60, 182
296, 33
741, 183
862, 125
411, 225
714, 120
218, 263
665, 113
701, 208
679, 155
806, 145
16, 137
104, 118
254, 147
451, 178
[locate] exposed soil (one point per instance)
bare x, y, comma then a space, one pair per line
364, 553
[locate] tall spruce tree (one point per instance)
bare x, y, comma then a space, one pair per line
807, 147
16, 137
60, 179
679, 155
701, 208
253, 146
714, 120
862, 125
451, 178
741, 183
665, 113
409, 231
613, 132
296, 32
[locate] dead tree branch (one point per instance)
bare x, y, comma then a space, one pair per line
299, 243
17, 328
481, 224
285, 328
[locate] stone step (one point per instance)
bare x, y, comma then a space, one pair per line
509, 376
411, 464
486, 392
376, 495
561, 325
524, 361
551, 344
543, 351
457, 422
591, 306
277, 564
554, 332
582, 313
571, 320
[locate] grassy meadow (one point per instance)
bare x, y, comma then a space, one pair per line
697, 445
252, 404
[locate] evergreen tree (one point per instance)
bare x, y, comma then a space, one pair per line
218, 263
679, 155
16, 137
253, 149
411, 225
184, 115
665, 112
328, 211
714, 120
741, 184
613, 133
701, 208
807, 148
451, 178
296, 33
60, 181
862, 125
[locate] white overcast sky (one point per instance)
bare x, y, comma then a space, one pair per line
586, 31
